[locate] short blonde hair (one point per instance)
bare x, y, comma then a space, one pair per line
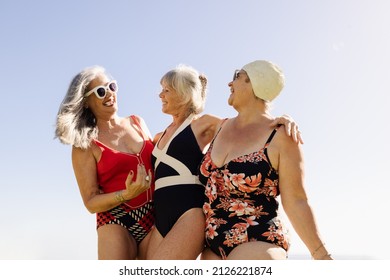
190, 85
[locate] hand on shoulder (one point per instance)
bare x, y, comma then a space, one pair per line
291, 127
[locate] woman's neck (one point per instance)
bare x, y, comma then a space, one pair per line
109, 123
179, 118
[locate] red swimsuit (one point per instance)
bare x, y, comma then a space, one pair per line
113, 167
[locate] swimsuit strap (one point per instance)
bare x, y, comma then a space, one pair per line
271, 136
267, 144
186, 122
140, 130
216, 134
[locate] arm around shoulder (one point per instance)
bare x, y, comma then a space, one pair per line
205, 129
209, 124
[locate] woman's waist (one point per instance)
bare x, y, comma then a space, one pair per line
173, 180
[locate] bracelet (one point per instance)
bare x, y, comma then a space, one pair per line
326, 255
119, 197
315, 251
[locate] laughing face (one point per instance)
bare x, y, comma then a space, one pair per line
103, 98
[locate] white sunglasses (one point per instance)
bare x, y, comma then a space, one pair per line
101, 91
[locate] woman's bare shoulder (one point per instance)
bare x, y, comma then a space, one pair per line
156, 137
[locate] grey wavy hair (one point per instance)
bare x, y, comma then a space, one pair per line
75, 123
190, 85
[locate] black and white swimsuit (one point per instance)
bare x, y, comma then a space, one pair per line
177, 187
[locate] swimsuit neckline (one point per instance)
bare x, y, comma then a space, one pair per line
125, 153
235, 158
184, 124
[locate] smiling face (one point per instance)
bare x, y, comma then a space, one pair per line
240, 89
101, 106
171, 101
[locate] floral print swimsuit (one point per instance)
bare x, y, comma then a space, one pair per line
240, 201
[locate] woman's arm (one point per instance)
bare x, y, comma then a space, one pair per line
84, 166
294, 199
205, 128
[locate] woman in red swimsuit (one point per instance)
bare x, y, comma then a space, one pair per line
248, 165
111, 159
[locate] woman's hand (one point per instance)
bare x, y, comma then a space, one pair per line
141, 184
291, 127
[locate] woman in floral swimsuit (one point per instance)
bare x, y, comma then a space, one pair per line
247, 166
241, 207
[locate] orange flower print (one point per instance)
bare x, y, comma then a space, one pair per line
258, 212
214, 176
237, 179
207, 209
251, 221
272, 186
211, 231
272, 234
205, 167
240, 227
236, 235
225, 204
210, 192
239, 208
251, 183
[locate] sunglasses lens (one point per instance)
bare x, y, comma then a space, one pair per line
112, 87
101, 92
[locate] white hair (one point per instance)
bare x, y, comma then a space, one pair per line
190, 85
76, 124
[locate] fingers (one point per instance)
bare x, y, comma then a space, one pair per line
294, 132
142, 177
290, 127
275, 122
149, 178
287, 127
129, 178
300, 137
140, 184
284, 120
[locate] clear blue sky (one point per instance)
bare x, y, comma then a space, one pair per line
335, 56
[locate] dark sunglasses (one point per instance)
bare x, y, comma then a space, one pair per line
236, 74
101, 91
